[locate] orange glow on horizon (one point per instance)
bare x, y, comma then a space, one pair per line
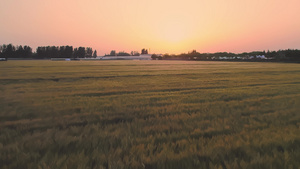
163, 26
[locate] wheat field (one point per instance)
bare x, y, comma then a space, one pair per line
149, 114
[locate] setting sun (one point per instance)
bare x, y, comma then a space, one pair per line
173, 32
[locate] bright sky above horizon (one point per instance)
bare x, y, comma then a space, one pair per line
164, 26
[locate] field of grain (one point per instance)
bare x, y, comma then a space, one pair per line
149, 114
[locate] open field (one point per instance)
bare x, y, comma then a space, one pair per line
149, 114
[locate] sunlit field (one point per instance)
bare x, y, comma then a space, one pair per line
149, 114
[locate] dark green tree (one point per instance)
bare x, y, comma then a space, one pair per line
154, 57
1, 48
8, 51
123, 54
81, 52
88, 52
144, 51
27, 52
95, 54
69, 51
65, 51
112, 53
19, 52
135, 53
41, 52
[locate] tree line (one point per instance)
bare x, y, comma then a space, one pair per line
45, 52
289, 55
132, 53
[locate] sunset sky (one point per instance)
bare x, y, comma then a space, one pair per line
164, 26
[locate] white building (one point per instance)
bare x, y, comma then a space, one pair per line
141, 57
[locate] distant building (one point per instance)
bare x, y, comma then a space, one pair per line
141, 57
261, 57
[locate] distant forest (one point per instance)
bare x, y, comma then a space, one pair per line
47, 52
289, 55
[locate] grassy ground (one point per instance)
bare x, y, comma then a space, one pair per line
149, 114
